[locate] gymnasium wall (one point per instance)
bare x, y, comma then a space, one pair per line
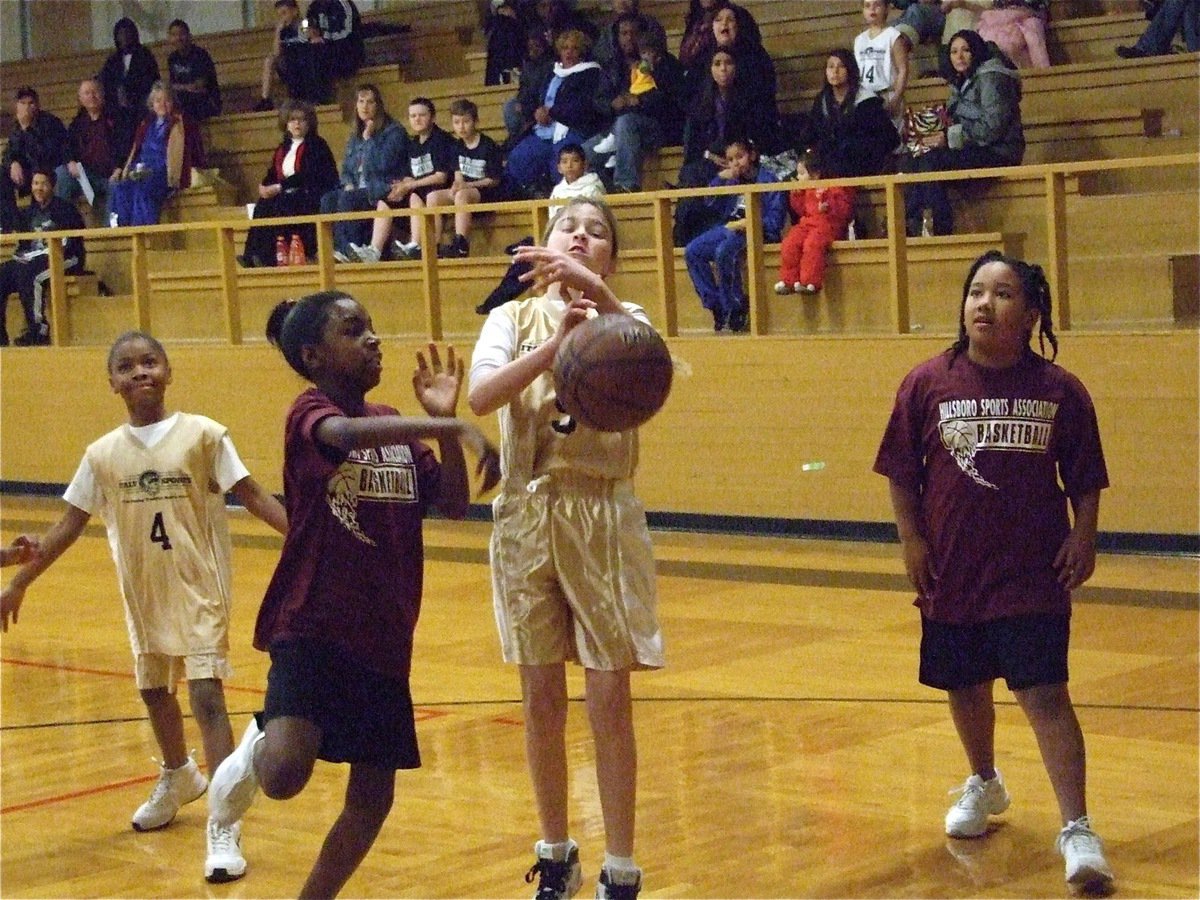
744, 416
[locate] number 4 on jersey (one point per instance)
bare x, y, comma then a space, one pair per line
158, 532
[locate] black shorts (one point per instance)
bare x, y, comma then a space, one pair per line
1026, 651
364, 717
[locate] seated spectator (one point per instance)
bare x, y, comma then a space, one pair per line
128, 75
984, 131
848, 126
193, 74
165, 150
92, 156
301, 172
1018, 28
430, 166
565, 114
755, 67
478, 178
698, 41
723, 246
822, 217
38, 140
536, 70
1166, 18
725, 108
376, 154
28, 272
505, 43
332, 48
921, 21
576, 181
287, 56
642, 89
607, 45
882, 53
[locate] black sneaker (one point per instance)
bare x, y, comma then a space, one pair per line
739, 320
460, 248
1129, 52
558, 880
607, 890
39, 338
718, 320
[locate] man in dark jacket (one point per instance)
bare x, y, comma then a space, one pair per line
38, 140
642, 92
28, 272
193, 74
127, 76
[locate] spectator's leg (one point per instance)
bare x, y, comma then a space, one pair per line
1156, 39
36, 302
699, 255
66, 185
528, 160
731, 253
8, 286
8, 203
812, 261
635, 134
1191, 26
416, 201
1034, 29
462, 217
381, 227
514, 121
597, 162
790, 252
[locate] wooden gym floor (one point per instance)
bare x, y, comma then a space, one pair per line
787, 751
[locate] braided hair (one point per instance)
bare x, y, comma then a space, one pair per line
296, 324
1034, 286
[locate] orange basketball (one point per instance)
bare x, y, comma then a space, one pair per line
612, 373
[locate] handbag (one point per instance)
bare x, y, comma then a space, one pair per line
922, 122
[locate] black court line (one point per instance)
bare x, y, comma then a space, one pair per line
515, 701
755, 574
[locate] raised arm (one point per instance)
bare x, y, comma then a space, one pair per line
261, 503
52, 545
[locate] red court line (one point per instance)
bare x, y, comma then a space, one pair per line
502, 720
108, 673
46, 801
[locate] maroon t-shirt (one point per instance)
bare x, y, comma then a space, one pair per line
351, 568
985, 449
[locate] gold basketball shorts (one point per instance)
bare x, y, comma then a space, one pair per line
573, 575
158, 670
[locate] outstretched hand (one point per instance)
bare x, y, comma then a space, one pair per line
436, 386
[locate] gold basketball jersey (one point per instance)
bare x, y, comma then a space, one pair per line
537, 437
169, 535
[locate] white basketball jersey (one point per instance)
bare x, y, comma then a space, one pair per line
876, 66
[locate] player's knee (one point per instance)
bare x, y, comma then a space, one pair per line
283, 778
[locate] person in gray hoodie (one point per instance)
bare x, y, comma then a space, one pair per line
984, 131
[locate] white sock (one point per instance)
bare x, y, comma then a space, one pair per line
557, 852
622, 868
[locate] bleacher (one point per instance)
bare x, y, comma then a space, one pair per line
1090, 106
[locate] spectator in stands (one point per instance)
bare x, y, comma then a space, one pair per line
128, 75
921, 21
430, 165
375, 155
754, 64
165, 149
91, 153
985, 128
193, 74
607, 46
1018, 28
698, 41
478, 178
301, 172
536, 71
725, 108
287, 56
28, 272
642, 90
576, 181
723, 246
1166, 18
38, 140
565, 114
505, 43
882, 52
823, 215
848, 126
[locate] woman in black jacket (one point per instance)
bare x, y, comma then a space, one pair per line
302, 169
848, 125
567, 114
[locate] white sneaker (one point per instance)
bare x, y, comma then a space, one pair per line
805, 288
366, 253
224, 861
175, 787
609, 888
1083, 852
611, 163
341, 257
980, 799
235, 782
782, 287
557, 879
608, 145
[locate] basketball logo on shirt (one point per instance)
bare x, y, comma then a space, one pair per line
958, 437
342, 496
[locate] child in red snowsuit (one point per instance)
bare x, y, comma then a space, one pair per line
824, 215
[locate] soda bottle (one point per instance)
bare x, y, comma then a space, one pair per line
296, 252
281, 251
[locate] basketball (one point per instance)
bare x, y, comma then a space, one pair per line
612, 373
